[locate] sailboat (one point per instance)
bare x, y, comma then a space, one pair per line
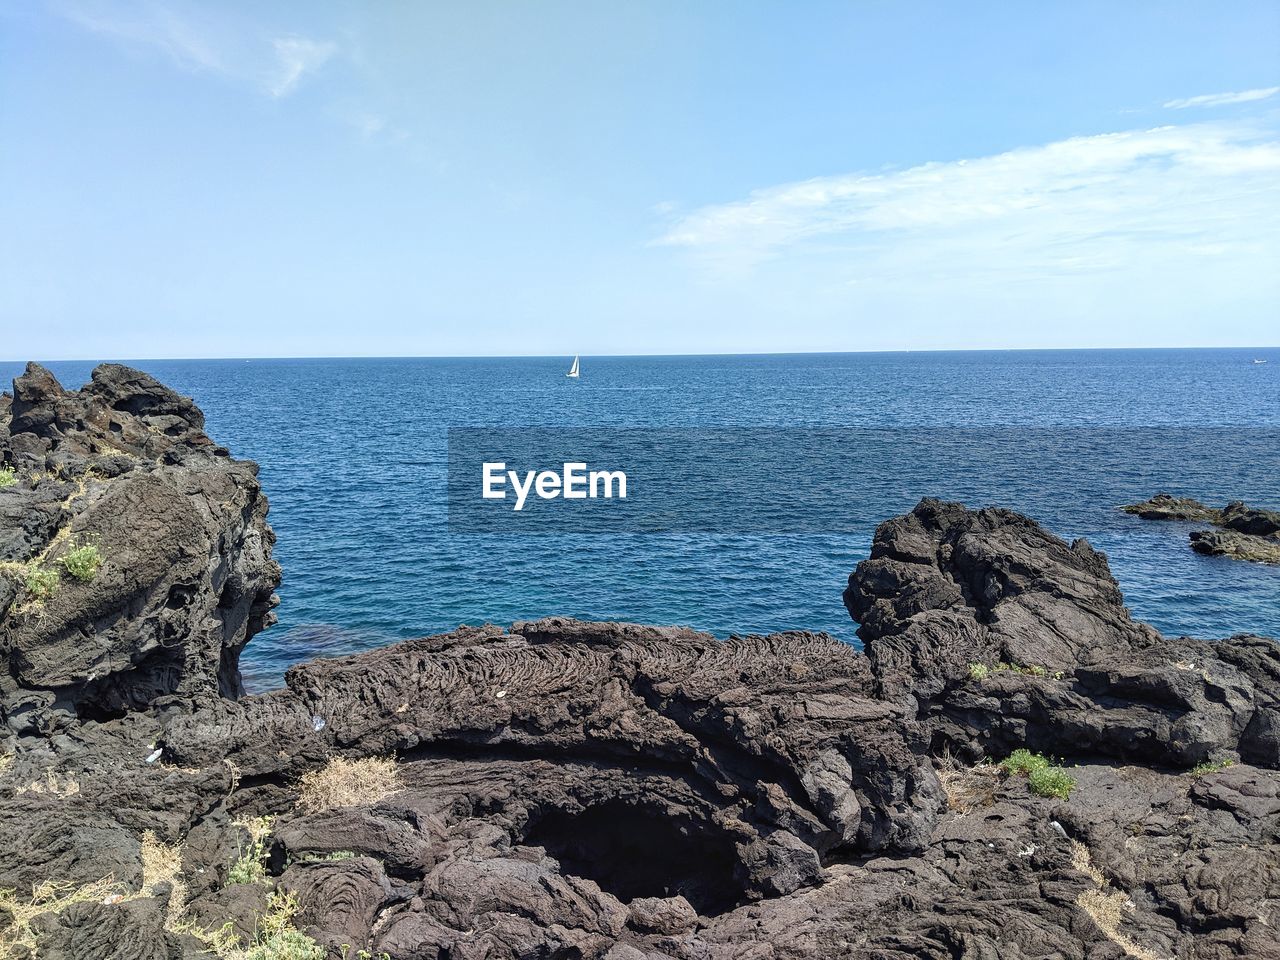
573, 371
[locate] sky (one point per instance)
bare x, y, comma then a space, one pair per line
226, 179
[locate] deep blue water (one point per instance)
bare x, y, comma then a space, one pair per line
353, 456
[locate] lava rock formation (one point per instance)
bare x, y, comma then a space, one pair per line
1244, 533
564, 789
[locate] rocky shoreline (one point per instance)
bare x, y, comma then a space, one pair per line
563, 789
1243, 532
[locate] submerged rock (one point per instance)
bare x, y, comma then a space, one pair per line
565, 789
1165, 506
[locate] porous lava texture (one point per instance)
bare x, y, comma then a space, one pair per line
564, 789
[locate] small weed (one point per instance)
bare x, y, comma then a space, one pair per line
82, 561
249, 868
363, 954
1052, 782
42, 584
1105, 905
277, 938
8, 477
980, 671
968, 788
1023, 762
1208, 767
1044, 778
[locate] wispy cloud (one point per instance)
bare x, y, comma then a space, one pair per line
1175, 222
1223, 99
296, 57
1060, 205
201, 40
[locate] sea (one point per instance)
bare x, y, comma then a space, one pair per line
353, 456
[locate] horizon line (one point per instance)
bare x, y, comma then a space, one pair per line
638, 356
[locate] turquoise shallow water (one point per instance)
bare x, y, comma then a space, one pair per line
353, 456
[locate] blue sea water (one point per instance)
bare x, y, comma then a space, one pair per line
353, 456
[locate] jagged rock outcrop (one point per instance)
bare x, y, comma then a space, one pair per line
573, 790
186, 575
1245, 533
1004, 636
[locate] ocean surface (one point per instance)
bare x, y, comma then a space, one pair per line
353, 456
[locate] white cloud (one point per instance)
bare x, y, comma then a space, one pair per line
298, 56
1059, 204
197, 40
1223, 99
1173, 225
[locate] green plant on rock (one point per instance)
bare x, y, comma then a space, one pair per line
980, 671
1044, 778
8, 477
249, 868
1052, 782
1022, 762
42, 584
1210, 766
277, 938
363, 954
82, 560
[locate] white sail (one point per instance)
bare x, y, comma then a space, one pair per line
573, 371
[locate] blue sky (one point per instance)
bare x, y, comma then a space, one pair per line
299, 179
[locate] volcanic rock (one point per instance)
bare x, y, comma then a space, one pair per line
575, 790
186, 576
1245, 533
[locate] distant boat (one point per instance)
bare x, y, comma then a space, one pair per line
575, 363
573, 371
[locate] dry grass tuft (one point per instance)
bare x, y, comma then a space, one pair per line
349, 783
162, 863
17, 938
1082, 861
1106, 906
52, 784
275, 938
967, 788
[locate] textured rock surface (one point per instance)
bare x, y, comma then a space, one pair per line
564, 789
187, 575
1245, 533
